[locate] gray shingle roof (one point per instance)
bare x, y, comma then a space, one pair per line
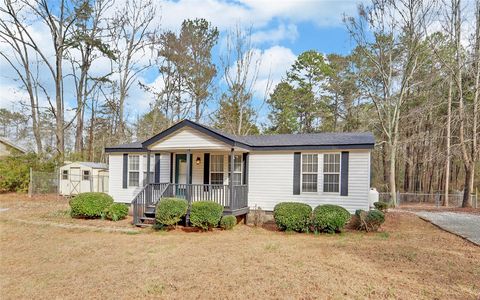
274, 141
308, 139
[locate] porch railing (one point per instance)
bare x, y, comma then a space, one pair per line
218, 193
148, 196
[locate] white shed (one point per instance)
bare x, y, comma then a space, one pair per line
82, 177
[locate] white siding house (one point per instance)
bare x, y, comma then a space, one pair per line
193, 161
271, 181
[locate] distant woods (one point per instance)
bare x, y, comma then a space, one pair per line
412, 79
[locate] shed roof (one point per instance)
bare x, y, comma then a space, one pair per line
93, 165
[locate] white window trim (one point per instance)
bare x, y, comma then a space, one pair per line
223, 168
65, 174
236, 172
88, 176
339, 174
145, 166
301, 173
138, 171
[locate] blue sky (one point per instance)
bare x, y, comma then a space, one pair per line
281, 30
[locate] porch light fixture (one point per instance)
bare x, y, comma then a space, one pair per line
198, 161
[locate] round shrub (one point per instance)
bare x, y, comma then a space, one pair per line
90, 205
330, 218
205, 214
170, 211
228, 222
292, 216
116, 211
381, 206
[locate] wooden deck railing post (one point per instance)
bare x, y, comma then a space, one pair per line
230, 180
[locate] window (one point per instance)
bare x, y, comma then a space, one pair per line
65, 174
237, 169
309, 173
133, 170
86, 175
216, 169
152, 169
331, 173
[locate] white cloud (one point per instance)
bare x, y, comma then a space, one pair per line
257, 13
282, 32
275, 61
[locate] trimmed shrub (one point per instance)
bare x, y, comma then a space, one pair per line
170, 211
90, 205
116, 211
381, 206
228, 222
330, 218
292, 216
369, 221
205, 214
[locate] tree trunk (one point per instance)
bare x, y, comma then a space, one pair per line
467, 191
392, 181
449, 137
60, 129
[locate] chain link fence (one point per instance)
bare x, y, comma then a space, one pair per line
43, 183
429, 199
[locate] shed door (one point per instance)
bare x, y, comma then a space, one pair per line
75, 180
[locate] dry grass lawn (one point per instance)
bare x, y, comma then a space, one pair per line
409, 259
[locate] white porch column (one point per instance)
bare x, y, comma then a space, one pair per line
230, 180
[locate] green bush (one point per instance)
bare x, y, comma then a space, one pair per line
228, 222
116, 211
205, 214
292, 216
369, 221
15, 171
381, 206
170, 211
90, 205
330, 218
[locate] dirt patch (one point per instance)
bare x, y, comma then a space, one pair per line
409, 259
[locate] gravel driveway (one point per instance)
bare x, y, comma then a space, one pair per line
462, 224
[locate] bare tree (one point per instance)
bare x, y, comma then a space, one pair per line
88, 43
26, 68
394, 57
132, 32
240, 64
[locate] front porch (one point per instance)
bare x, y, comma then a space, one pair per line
202, 166
234, 199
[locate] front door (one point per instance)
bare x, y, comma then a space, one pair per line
181, 174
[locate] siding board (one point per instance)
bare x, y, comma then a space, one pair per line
271, 181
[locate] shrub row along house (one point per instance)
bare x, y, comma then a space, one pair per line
195, 162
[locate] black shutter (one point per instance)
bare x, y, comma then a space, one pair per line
125, 171
344, 174
206, 168
171, 167
296, 172
157, 168
191, 170
245, 168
